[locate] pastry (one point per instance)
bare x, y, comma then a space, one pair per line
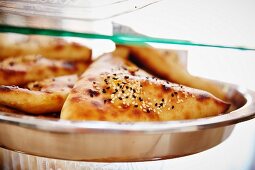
53, 48
165, 65
24, 69
40, 97
114, 89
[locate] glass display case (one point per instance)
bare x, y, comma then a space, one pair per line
210, 45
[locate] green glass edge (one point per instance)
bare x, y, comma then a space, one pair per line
117, 38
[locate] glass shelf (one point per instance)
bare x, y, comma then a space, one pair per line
26, 23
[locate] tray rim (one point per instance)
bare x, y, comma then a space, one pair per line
244, 113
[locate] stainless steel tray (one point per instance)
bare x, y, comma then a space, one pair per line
116, 142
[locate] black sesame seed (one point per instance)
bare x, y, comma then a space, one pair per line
107, 87
120, 98
172, 95
115, 78
134, 90
175, 93
123, 91
140, 99
126, 77
172, 107
104, 91
163, 100
126, 97
136, 105
11, 63
94, 82
161, 104
108, 77
114, 74
93, 93
156, 104
118, 84
148, 111
134, 96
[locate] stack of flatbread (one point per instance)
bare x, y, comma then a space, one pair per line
40, 75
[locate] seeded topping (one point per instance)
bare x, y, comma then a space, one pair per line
128, 90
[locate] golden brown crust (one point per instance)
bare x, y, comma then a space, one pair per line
114, 89
23, 69
54, 48
41, 97
166, 66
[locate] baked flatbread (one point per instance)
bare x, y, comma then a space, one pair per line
114, 89
53, 48
23, 69
40, 97
166, 66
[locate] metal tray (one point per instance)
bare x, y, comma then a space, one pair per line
100, 141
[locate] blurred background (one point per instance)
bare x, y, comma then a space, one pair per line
217, 22
229, 22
